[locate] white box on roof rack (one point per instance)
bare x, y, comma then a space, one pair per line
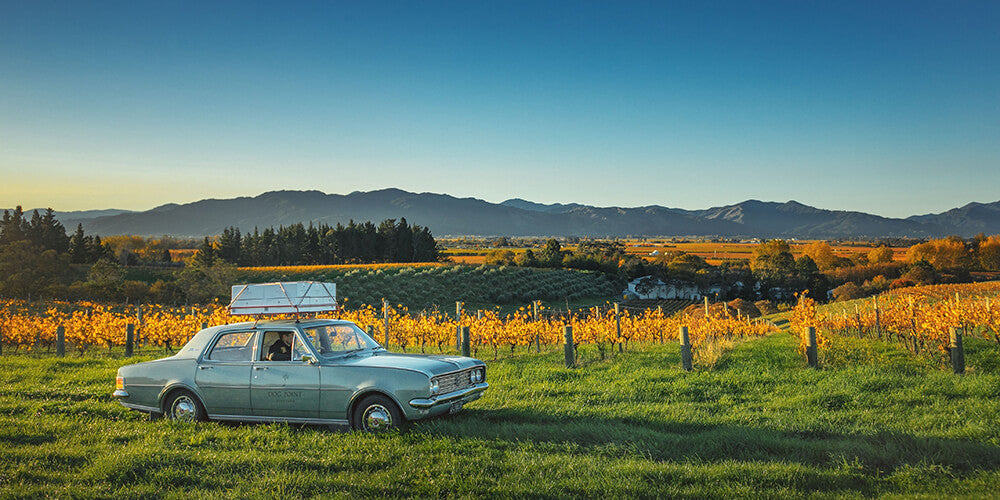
283, 298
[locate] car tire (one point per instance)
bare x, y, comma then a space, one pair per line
377, 413
183, 406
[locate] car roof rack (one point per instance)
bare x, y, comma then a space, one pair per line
289, 297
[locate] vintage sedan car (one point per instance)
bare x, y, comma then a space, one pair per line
333, 373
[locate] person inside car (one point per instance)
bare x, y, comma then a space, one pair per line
281, 349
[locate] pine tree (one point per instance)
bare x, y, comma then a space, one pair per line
79, 252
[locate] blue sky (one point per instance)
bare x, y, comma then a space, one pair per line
891, 108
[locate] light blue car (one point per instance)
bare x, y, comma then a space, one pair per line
318, 371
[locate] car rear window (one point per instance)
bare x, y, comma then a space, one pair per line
233, 346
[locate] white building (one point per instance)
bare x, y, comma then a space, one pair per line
648, 288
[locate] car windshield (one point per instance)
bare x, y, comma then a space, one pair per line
331, 340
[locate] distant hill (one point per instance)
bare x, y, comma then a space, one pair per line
969, 220
448, 215
69, 220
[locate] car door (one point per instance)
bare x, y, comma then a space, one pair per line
223, 374
284, 389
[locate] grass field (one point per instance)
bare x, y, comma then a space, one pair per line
757, 423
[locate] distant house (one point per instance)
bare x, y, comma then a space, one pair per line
649, 288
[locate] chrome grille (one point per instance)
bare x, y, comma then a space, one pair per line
453, 381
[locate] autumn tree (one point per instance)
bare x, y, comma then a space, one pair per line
944, 254
880, 254
989, 253
821, 253
773, 260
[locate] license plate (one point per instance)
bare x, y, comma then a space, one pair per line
455, 407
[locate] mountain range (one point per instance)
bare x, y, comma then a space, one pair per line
450, 216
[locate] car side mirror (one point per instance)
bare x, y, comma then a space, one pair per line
306, 358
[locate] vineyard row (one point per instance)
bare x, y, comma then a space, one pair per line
86, 325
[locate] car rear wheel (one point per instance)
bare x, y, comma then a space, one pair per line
183, 406
377, 413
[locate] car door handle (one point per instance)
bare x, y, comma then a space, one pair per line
260, 368
204, 367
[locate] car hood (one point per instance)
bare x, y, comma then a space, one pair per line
430, 364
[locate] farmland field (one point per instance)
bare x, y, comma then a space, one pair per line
713, 251
754, 423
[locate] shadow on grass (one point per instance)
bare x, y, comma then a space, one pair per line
878, 453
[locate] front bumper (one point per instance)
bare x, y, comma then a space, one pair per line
468, 392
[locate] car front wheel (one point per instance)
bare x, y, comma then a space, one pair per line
183, 406
377, 413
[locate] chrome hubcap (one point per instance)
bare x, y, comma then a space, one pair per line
377, 417
183, 409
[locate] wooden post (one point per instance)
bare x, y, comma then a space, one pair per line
466, 348
660, 310
385, 321
129, 339
1, 340
370, 330
534, 315
685, 349
138, 322
957, 351
878, 318
618, 326
706, 306
61, 341
458, 327
204, 325
811, 352
568, 346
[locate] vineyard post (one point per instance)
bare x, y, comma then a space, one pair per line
466, 349
706, 306
957, 351
685, 349
1, 340
878, 318
129, 338
618, 326
370, 329
660, 311
138, 321
458, 325
385, 320
568, 353
811, 354
204, 325
538, 339
61, 341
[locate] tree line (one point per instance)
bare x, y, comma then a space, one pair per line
38, 258
36, 254
297, 244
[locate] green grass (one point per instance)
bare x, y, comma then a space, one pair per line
758, 423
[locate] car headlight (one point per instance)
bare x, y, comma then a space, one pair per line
476, 376
434, 387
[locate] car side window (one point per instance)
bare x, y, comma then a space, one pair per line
282, 346
232, 346
298, 348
